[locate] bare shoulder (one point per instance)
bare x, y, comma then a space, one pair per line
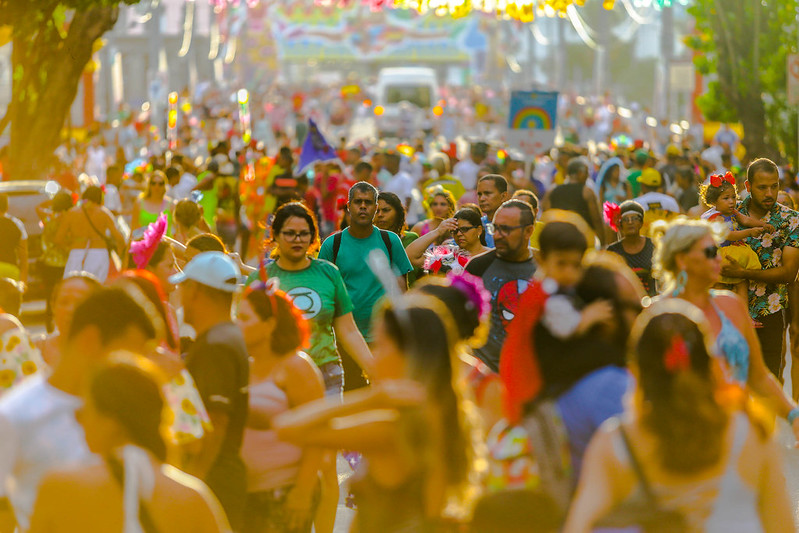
77, 477
732, 305
192, 496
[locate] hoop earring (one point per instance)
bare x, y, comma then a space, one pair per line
679, 283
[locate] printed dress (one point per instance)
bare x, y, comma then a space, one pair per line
19, 358
188, 420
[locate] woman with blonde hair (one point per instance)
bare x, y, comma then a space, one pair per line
683, 459
152, 203
441, 206
688, 264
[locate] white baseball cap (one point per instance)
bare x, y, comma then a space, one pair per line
212, 269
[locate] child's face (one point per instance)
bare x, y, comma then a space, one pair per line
564, 266
726, 202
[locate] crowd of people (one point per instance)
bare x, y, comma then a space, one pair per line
596, 341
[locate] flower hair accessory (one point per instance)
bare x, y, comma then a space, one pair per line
677, 358
612, 212
445, 258
472, 287
142, 250
716, 180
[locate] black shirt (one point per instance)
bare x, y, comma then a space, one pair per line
640, 263
506, 281
219, 364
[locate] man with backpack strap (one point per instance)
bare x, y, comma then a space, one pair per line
349, 250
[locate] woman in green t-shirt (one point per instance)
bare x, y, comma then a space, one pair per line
318, 291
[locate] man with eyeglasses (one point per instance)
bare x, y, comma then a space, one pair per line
348, 250
505, 271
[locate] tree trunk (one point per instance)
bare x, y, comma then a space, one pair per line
45, 85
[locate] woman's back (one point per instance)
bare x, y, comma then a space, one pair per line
728, 497
90, 500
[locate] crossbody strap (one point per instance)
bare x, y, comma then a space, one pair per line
105, 238
639, 472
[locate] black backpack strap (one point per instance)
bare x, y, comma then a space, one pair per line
387, 242
336, 246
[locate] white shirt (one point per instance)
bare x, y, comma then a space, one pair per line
183, 189
466, 171
38, 433
111, 199
658, 200
401, 184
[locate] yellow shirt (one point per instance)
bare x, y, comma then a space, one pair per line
536, 232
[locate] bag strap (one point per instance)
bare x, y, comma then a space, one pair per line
639, 472
105, 238
387, 241
145, 519
336, 246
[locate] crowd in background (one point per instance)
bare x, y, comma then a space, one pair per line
593, 338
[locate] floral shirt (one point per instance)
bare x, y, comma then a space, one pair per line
768, 298
19, 358
186, 415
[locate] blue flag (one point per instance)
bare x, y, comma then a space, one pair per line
315, 148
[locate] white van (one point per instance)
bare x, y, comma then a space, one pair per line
406, 97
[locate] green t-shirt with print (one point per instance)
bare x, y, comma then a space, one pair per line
318, 291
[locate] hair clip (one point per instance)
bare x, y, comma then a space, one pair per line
677, 358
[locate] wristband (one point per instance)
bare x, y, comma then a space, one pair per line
793, 414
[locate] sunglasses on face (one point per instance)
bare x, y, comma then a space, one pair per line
462, 230
157, 183
711, 252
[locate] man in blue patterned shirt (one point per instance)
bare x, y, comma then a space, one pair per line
779, 257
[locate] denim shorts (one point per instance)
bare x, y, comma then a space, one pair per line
333, 375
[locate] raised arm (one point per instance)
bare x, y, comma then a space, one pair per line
417, 248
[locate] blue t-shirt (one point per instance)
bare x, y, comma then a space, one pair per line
362, 285
592, 400
487, 236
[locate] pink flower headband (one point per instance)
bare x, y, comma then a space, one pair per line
142, 250
472, 287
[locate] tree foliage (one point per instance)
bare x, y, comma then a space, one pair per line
742, 46
52, 42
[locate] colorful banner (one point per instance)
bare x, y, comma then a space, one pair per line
532, 120
303, 31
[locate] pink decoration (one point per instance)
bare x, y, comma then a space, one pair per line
611, 212
142, 250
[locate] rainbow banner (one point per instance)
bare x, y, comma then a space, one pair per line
533, 110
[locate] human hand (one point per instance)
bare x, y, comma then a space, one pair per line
298, 508
597, 312
731, 268
756, 232
447, 226
768, 228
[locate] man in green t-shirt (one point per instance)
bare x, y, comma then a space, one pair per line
349, 251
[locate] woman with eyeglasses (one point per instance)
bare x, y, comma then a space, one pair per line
465, 227
636, 249
152, 203
688, 264
318, 292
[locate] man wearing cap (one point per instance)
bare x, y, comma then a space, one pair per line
640, 161
467, 170
218, 363
652, 200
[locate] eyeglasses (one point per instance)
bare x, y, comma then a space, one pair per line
462, 230
157, 183
501, 229
635, 217
296, 236
711, 252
